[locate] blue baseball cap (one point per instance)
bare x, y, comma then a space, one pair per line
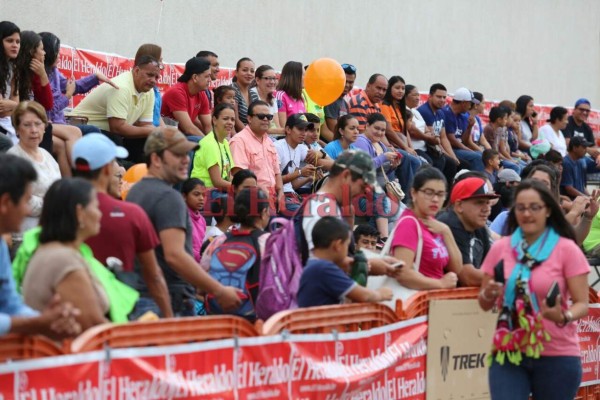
582, 101
94, 150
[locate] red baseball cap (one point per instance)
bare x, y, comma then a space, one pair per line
471, 188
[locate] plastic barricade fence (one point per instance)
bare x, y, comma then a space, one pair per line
20, 347
418, 304
163, 332
342, 318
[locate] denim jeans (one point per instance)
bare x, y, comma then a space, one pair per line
142, 306
512, 165
545, 378
470, 156
406, 170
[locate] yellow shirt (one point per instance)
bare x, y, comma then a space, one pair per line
125, 103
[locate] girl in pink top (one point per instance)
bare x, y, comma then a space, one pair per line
194, 194
540, 252
423, 242
289, 91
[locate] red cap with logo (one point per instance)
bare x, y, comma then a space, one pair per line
471, 188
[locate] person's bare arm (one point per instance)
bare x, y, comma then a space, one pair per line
204, 122
470, 276
155, 281
455, 143
217, 180
447, 147
327, 129
186, 125
120, 127
407, 276
361, 294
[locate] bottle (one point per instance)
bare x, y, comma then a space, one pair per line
360, 268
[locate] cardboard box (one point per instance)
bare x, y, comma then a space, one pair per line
459, 341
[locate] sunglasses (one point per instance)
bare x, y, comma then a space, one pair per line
263, 116
349, 68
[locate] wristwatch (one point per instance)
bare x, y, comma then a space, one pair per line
299, 172
567, 317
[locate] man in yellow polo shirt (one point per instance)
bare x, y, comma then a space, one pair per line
125, 114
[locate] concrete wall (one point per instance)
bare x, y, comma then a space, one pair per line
549, 49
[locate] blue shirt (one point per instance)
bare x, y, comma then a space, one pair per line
11, 303
499, 223
573, 174
323, 283
455, 124
334, 149
157, 106
436, 120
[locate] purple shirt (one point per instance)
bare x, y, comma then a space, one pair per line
58, 84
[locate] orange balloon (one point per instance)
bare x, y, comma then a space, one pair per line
133, 175
324, 81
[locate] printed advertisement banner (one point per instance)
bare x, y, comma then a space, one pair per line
77, 63
588, 329
382, 363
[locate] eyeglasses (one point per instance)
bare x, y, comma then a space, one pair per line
534, 208
161, 66
430, 194
583, 110
269, 78
263, 116
349, 68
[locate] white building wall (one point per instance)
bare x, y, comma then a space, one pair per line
549, 49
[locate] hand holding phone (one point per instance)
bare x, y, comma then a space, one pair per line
499, 272
553, 292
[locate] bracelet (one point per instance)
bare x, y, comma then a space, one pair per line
483, 296
567, 318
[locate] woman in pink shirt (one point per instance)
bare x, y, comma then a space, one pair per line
423, 242
289, 91
535, 347
194, 194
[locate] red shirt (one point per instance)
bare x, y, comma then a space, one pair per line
42, 94
125, 231
178, 98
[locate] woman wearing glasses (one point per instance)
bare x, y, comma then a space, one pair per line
266, 81
536, 348
213, 161
431, 257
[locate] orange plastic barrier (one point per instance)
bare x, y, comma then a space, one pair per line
19, 347
343, 318
163, 332
418, 305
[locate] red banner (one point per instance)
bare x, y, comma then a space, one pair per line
387, 362
588, 329
77, 63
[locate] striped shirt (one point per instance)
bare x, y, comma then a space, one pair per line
361, 107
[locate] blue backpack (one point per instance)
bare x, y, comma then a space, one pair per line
236, 262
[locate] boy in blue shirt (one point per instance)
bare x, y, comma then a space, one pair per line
324, 281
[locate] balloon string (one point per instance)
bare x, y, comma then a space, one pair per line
162, 5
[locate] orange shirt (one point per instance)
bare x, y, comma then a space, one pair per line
360, 107
393, 116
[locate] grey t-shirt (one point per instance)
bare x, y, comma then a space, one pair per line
336, 109
166, 209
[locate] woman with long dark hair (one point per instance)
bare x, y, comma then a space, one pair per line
289, 91
10, 34
529, 123
244, 75
62, 89
33, 84
536, 348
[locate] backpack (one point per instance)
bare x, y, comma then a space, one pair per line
285, 254
236, 262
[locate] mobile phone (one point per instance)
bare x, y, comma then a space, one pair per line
398, 265
499, 272
534, 114
552, 293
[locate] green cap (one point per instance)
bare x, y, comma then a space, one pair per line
360, 163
